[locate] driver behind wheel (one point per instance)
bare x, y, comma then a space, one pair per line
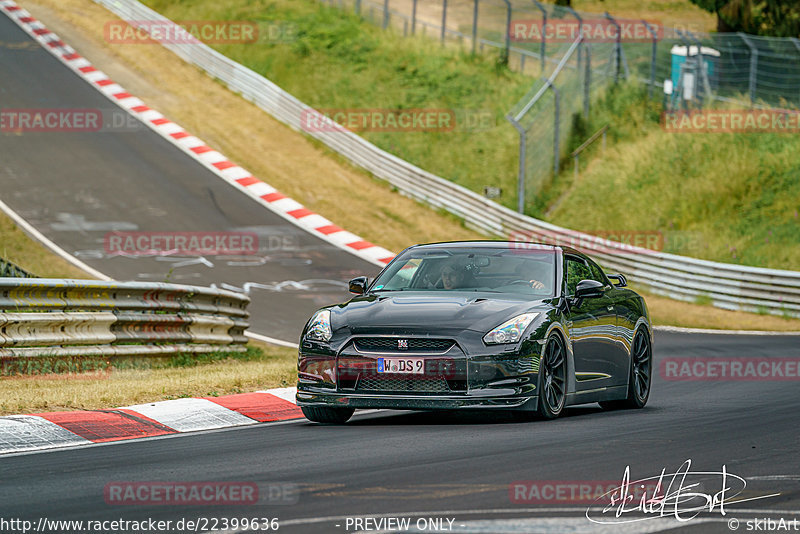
455, 275
529, 272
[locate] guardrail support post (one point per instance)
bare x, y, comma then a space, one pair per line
413, 17
358, 7
385, 14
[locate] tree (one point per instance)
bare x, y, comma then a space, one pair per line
778, 18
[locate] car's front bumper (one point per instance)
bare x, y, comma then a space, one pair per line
318, 397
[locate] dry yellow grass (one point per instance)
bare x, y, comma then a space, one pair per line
127, 386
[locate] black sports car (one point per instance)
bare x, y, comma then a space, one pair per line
484, 324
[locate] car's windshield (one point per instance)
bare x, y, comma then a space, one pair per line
502, 270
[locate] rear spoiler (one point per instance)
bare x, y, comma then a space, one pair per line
620, 278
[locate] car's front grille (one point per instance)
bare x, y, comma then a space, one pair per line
399, 344
402, 384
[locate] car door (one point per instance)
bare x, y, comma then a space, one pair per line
592, 328
619, 355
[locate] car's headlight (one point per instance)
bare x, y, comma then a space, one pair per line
511, 330
319, 329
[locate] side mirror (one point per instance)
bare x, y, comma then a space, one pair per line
589, 289
621, 281
358, 285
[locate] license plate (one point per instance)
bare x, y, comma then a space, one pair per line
410, 366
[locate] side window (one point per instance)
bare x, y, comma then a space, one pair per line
576, 271
597, 273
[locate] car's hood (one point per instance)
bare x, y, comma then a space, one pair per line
428, 312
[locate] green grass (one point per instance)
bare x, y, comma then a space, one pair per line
724, 197
718, 196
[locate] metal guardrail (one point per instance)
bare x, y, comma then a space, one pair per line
726, 285
54, 317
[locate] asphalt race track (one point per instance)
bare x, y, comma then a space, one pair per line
462, 463
460, 466
75, 187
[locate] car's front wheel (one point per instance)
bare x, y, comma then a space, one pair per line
641, 374
552, 379
325, 414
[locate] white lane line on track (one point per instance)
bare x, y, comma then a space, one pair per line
37, 235
271, 340
685, 330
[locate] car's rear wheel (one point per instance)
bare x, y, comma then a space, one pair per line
552, 379
641, 373
325, 414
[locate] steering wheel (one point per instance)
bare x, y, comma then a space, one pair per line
533, 284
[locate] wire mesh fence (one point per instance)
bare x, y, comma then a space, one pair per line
575, 55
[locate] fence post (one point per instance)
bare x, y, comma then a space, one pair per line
542, 47
587, 81
508, 29
702, 66
444, 18
474, 26
358, 7
413, 17
556, 117
521, 170
617, 47
652, 59
753, 66
385, 14
575, 161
